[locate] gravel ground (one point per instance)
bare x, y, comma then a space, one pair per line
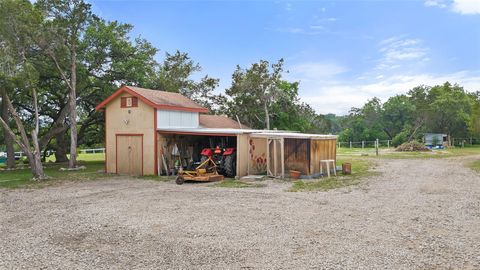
421, 214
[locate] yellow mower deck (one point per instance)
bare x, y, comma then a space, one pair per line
200, 174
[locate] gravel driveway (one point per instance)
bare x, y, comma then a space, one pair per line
416, 214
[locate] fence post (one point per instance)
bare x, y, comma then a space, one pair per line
363, 144
471, 141
376, 146
388, 143
350, 144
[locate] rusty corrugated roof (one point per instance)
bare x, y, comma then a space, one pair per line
219, 121
166, 98
157, 99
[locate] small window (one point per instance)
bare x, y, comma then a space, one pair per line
128, 102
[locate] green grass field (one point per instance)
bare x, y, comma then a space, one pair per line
83, 157
363, 160
391, 153
475, 165
361, 167
232, 183
94, 164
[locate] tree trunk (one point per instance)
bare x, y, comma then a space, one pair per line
8, 139
34, 157
267, 116
35, 161
73, 108
61, 149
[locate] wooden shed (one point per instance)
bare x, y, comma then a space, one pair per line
148, 132
285, 151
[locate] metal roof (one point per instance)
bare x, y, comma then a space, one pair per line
256, 133
291, 135
157, 99
219, 121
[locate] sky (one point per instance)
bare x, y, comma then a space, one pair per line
343, 53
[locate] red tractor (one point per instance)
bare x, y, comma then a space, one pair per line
224, 158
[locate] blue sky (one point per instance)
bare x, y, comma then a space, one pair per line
343, 53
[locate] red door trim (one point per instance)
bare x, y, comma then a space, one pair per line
116, 148
106, 144
155, 150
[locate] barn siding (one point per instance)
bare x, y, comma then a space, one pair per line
297, 155
140, 120
258, 155
242, 154
322, 149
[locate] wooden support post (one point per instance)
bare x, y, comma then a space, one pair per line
350, 144
165, 165
282, 156
363, 144
376, 147
249, 159
388, 143
275, 157
269, 173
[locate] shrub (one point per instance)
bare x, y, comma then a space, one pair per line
400, 138
412, 146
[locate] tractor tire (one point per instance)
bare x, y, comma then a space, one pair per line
179, 180
230, 165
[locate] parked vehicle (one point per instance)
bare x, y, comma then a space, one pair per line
224, 158
3, 157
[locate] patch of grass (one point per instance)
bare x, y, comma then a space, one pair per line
84, 157
232, 183
361, 168
22, 178
390, 153
161, 178
475, 165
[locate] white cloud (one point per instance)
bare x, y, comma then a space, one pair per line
464, 7
288, 6
311, 30
336, 96
397, 51
311, 71
468, 7
435, 3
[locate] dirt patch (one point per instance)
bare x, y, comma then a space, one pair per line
415, 214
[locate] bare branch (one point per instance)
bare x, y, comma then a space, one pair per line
12, 134
56, 127
57, 65
18, 121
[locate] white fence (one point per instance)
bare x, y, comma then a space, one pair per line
365, 144
92, 151
388, 143
81, 151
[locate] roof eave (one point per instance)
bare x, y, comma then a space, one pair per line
146, 101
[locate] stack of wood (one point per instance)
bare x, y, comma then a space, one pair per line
412, 146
